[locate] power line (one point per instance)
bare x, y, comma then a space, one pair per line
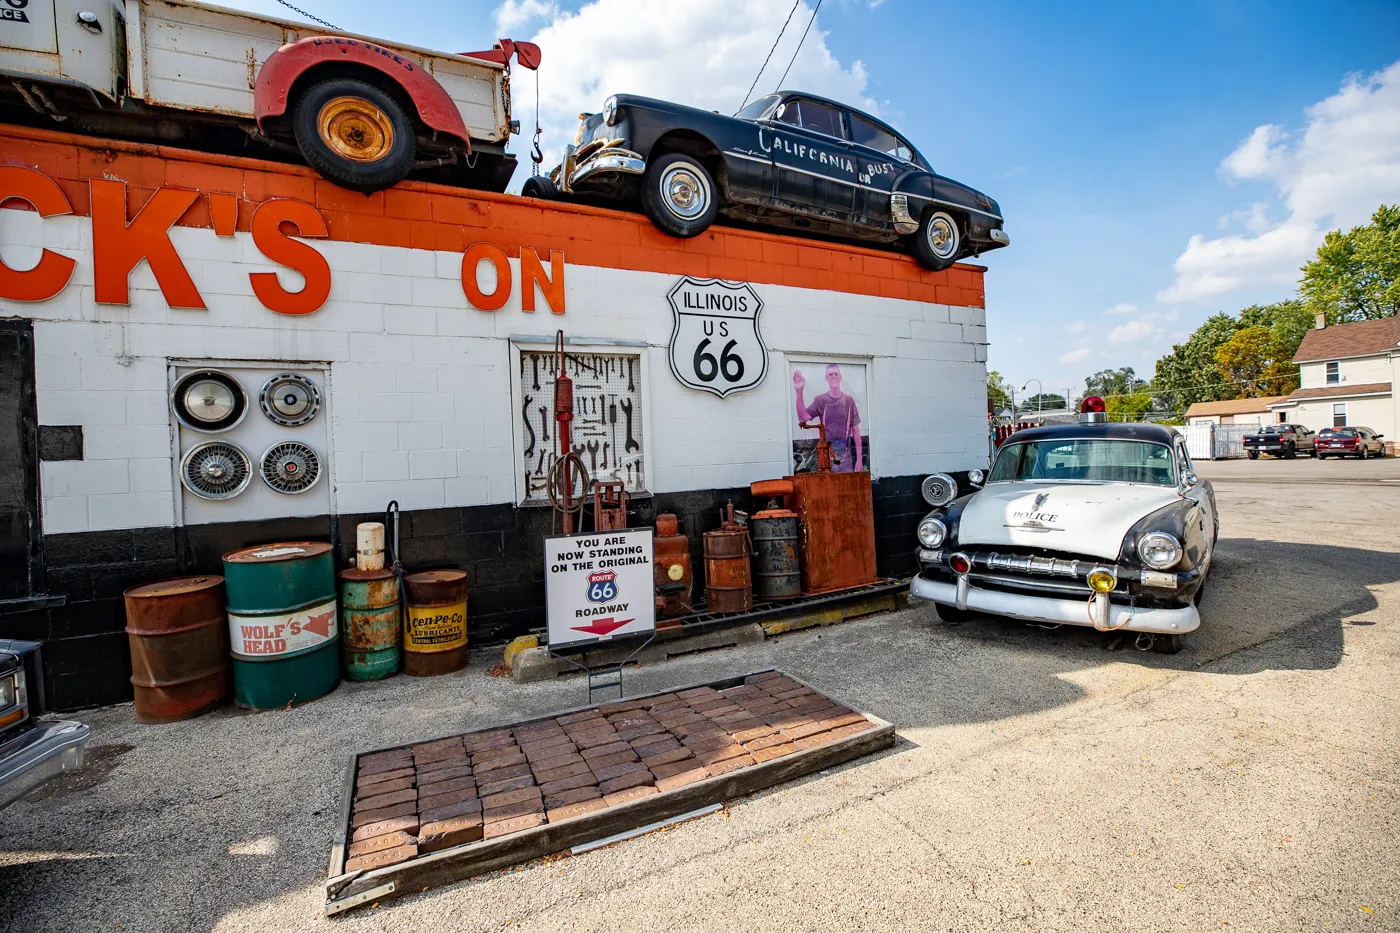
1210, 385
799, 43
308, 15
765, 60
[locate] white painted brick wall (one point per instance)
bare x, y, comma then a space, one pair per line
421, 405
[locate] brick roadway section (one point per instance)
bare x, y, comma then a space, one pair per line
483, 785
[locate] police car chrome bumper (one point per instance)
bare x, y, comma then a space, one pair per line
1000, 237
38, 754
1056, 611
623, 161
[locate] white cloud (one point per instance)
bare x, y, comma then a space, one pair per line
1334, 173
701, 53
1135, 331
1077, 355
1121, 308
512, 14
1077, 327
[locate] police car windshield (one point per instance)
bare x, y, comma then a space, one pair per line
754, 110
1085, 461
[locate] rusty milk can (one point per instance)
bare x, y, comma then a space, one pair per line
671, 559
179, 647
728, 587
777, 571
435, 632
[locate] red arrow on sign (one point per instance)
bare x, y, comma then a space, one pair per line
602, 627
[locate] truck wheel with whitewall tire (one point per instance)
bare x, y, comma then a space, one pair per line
539, 186
679, 195
354, 133
938, 244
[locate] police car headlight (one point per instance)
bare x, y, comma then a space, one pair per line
932, 532
610, 111
975, 477
1159, 550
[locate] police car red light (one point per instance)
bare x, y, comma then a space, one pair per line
960, 563
1093, 404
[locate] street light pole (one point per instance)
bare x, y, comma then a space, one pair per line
1039, 394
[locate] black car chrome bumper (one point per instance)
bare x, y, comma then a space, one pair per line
607, 160
38, 754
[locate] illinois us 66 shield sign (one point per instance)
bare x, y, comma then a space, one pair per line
715, 342
598, 586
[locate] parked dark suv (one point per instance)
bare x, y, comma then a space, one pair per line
1281, 440
1349, 442
31, 750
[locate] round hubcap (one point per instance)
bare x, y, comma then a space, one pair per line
355, 129
684, 192
942, 238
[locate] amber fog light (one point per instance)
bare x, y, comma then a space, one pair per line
1102, 580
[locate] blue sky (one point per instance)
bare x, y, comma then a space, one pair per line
1111, 134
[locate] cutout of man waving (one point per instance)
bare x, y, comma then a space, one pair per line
839, 413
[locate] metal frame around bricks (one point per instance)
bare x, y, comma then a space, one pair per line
344, 891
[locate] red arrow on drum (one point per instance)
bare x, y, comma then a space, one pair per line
320, 623
601, 627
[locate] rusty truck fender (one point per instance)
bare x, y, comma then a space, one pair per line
284, 66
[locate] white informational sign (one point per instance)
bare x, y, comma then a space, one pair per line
599, 586
715, 343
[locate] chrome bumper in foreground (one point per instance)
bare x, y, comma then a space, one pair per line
44, 752
607, 160
1058, 611
999, 236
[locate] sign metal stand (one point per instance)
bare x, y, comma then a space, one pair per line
606, 676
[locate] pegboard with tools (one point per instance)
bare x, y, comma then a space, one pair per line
607, 425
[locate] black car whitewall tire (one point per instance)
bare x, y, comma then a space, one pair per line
679, 195
938, 244
354, 133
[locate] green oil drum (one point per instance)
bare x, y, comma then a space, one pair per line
370, 628
283, 635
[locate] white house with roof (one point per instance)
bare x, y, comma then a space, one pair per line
1348, 372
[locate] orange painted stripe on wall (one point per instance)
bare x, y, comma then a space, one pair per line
421, 215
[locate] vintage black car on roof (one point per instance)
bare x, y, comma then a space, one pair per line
1093, 524
789, 159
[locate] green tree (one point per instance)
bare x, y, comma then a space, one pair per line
1356, 275
1132, 407
1043, 401
1109, 382
1189, 373
1257, 363
998, 390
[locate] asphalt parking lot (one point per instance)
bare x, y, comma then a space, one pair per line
1044, 780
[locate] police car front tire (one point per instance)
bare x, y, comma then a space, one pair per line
679, 195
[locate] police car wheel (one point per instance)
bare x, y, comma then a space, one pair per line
938, 242
539, 186
679, 195
355, 134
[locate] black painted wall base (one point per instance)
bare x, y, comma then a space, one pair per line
501, 547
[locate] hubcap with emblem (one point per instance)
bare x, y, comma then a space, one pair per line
684, 192
942, 236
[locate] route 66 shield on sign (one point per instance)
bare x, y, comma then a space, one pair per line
715, 342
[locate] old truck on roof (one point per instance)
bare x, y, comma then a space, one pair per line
363, 113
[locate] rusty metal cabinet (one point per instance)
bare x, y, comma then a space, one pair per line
838, 530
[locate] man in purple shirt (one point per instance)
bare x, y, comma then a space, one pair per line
839, 413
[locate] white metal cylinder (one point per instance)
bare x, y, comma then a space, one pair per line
369, 546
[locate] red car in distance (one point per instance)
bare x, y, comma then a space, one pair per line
1349, 442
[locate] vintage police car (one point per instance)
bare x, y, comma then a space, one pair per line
1094, 524
789, 159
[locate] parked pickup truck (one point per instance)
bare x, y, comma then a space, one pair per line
364, 113
1281, 440
31, 750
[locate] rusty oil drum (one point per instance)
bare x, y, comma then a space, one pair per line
283, 635
728, 587
179, 647
370, 629
777, 572
435, 631
671, 555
